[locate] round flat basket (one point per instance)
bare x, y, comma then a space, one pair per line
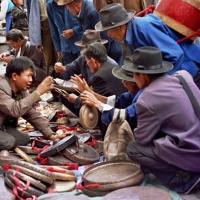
114, 186
84, 154
88, 116
140, 193
111, 172
62, 144
92, 193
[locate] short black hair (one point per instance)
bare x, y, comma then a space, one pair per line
95, 50
18, 65
14, 35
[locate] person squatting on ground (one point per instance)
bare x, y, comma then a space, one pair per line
165, 144
16, 101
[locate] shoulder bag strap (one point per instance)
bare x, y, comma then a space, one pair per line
191, 96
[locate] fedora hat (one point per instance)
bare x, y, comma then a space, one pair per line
113, 15
63, 2
90, 36
148, 60
122, 74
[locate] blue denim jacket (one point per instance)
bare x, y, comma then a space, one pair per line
61, 19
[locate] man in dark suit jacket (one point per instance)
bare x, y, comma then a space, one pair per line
103, 82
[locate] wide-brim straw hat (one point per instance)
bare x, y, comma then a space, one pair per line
113, 15
148, 60
89, 37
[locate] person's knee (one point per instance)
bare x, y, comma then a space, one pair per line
131, 150
8, 143
25, 140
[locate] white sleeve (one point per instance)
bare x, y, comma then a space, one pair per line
4, 8
111, 100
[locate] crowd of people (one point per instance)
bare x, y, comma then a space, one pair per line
125, 62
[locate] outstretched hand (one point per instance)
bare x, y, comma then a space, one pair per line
45, 85
59, 68
80, 83
89, 99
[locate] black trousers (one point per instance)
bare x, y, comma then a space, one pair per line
144, 155
10, 137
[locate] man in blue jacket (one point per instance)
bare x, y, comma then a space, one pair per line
149, 30
65, 31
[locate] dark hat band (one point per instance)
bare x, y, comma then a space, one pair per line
90, 41
127, 73
117, 19
153, 67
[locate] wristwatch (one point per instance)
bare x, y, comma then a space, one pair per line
101, 108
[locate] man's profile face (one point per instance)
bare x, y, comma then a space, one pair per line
16, 45
23, 81
91, 64
117, 33
73, 8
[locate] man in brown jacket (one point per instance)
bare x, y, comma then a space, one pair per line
22, 47
16, 101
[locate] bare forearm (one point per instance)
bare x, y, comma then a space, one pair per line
101, 98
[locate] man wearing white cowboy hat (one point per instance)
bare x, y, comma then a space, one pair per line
87, 16
149, 30
167, 141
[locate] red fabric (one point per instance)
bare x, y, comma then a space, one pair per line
52, 169
146, 11
6, 167
93, 142
80, 186
72, 166
42, 161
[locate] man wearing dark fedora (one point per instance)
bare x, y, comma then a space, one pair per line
167, 141
135, 32
87, 16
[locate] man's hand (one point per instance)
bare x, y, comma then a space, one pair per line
45, 85
68, 33
71, 97
5, 58
39, 48
56, 136
80, 82
59, 68
89, 99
